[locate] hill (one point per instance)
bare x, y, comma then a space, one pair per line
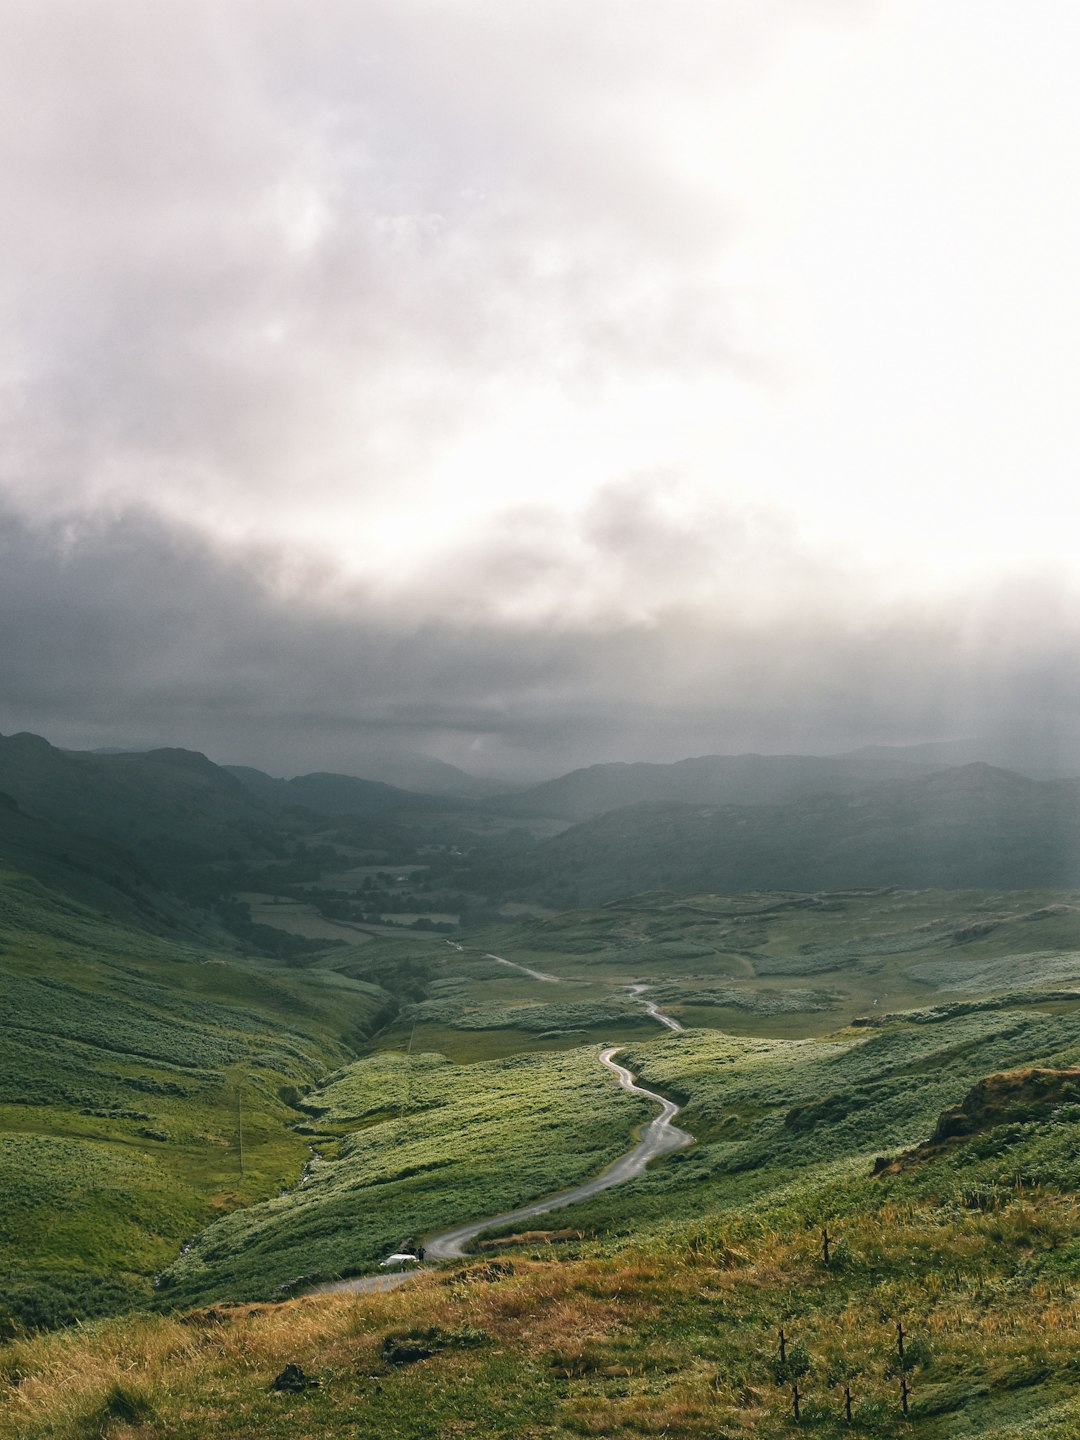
174, 807
171, 838
413, 770
90, 869
329, 794
712, 780
145, 1086
934, 1146
960, 828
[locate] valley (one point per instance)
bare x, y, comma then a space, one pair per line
235, 1082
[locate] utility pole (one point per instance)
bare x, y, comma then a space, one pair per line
240, 1120
406, 1089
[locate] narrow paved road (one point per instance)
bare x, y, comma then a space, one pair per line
654, 1010
536, 974
659, 1137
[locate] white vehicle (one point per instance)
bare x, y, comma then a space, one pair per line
398, 1260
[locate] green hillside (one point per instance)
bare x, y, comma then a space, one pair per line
968, 827
200, 1108
821, 1080
713, 780
132, 1067
933, 1136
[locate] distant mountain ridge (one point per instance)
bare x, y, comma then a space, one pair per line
329, 794
415, 771
131, 799
711, 779
401, 769
966, 827
171, 835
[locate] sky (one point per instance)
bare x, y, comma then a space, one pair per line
535, 385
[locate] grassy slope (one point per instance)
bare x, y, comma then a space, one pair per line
674, 1334
972, 825
120, 1081
494, 1132
850, 954
665, 1321
431, 1144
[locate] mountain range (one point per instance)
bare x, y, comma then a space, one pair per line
967, 826
172, 836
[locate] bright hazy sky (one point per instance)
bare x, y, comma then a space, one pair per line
538, 383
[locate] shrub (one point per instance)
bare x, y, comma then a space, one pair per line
795, 1364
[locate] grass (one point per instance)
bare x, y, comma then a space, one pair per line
663, 1319
466, 1047
674, 1335
870, 951
131, 1067
773, 1116
427, 1144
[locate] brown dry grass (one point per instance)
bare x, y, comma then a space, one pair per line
677, 1341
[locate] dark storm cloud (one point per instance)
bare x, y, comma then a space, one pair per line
442, 296
136, 632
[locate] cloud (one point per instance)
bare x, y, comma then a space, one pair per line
563, 381
269, 263
134, 631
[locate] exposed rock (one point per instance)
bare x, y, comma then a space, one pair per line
1011, 1097
407, 1353
293, 1381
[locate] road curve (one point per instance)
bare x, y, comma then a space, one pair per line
659, 1137
654, 1009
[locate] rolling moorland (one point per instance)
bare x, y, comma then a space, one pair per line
201, 1122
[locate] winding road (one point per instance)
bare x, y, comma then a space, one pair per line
659, 1137
655, 1011
536, 974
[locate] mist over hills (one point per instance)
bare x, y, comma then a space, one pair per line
335, 794
413, 770
968, 826
712, 779
172, 836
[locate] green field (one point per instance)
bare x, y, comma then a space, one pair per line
428, 1144
133, 1068
483, 1054
902, 1068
